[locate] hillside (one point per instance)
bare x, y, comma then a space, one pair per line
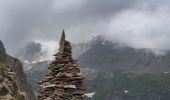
126, 86
13, 83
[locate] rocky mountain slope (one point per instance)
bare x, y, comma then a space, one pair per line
106, 56
13, 82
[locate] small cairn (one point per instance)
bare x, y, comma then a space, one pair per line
64, 81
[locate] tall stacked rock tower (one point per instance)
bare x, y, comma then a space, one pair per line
64, 81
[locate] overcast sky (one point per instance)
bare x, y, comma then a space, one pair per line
137, 23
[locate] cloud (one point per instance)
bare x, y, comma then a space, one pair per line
141, 28
49, 48
137, 23
67, 5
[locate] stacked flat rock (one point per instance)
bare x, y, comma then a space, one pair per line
64, 81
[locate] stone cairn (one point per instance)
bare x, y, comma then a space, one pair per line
64, 81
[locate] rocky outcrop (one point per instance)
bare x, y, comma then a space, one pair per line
13, 82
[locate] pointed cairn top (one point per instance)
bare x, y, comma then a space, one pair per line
63, 37
62, 43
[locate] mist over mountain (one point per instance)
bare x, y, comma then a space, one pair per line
106, 56
37, 51
30, 52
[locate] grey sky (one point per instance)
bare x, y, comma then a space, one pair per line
137, 23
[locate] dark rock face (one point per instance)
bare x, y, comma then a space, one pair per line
13, 65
